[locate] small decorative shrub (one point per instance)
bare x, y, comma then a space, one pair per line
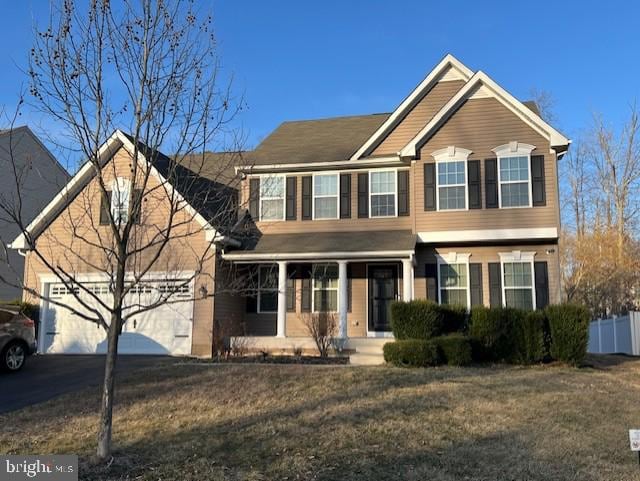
418, 319
454, 318
569, 329
529, 338
455, 349
411, 353
491, 331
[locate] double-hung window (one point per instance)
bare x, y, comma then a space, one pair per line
267, 289
272, 197
453, 280
325, 196
383, 195
325, 288
451, 178
517, 279
120, 194
514, 174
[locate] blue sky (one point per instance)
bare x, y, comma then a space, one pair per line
295, 59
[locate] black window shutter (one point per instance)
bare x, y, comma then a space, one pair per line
305, 304
537, 180
430, 186
349, 294
542, 284
251, 303
345, 196
292, 184
495, 284
105, 206
475, 284
363, 195
254, 198
491, 183
473, 178
306, 197
291, 294
431, 274
403, 192
137, 203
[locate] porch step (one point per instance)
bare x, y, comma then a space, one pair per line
359, 359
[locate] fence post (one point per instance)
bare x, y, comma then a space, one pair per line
599, 337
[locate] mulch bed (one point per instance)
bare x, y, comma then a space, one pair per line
277, 359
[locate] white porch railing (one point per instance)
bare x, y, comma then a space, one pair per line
615, 335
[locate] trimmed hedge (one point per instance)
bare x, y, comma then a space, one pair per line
529, 338
569, 329
492, 332
454, 318
411, 353
417, 319
455, 349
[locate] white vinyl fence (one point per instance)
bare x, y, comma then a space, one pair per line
616, 335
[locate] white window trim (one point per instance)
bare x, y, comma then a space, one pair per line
454, 258
395, 193
522, 258
452, 154
284, 197
514, 149
260, 289
313, 195
119, 186
313, 290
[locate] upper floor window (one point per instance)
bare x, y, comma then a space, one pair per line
272, 197
325, 196
514, 174
383, 195
451, 178
120, 194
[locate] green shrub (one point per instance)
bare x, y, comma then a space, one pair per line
455, 349
569, 329
492, 333
32, 311
529, 338
454, 317
411, 353
417, 319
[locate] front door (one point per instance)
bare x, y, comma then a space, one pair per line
383, 288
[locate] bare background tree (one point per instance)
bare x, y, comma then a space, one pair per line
150, 68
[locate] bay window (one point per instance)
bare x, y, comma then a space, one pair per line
272, 198
325, 196
383, 195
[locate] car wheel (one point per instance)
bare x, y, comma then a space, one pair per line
14, 356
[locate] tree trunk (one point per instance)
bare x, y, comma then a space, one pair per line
106, 405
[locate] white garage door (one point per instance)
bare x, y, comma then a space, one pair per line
163, 330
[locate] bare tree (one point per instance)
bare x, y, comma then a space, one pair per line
322, 327
545, 102
152, 68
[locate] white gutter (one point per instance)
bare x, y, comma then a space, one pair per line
342, 164
249, 256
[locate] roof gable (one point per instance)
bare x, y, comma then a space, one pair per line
449, 68
482, 86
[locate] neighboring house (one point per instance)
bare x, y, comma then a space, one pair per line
27, 166
451, 197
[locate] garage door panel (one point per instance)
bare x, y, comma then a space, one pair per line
165, 329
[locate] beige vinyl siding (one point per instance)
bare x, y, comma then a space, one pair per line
352, 224
418, 117
481, 125
61, 245
485, 255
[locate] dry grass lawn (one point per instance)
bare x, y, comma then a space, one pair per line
261, 422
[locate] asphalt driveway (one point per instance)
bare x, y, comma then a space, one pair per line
48, 376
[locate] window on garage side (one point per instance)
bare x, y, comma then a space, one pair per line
267, 289
518, 284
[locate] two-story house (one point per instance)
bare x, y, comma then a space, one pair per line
451, 197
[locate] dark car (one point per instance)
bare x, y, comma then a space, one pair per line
17, 339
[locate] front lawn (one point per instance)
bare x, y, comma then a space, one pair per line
195, 421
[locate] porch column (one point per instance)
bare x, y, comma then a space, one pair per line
407, 279
343, 299
282, 299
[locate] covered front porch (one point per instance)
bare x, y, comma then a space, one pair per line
352, 277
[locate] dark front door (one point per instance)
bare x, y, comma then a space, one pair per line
383, 288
